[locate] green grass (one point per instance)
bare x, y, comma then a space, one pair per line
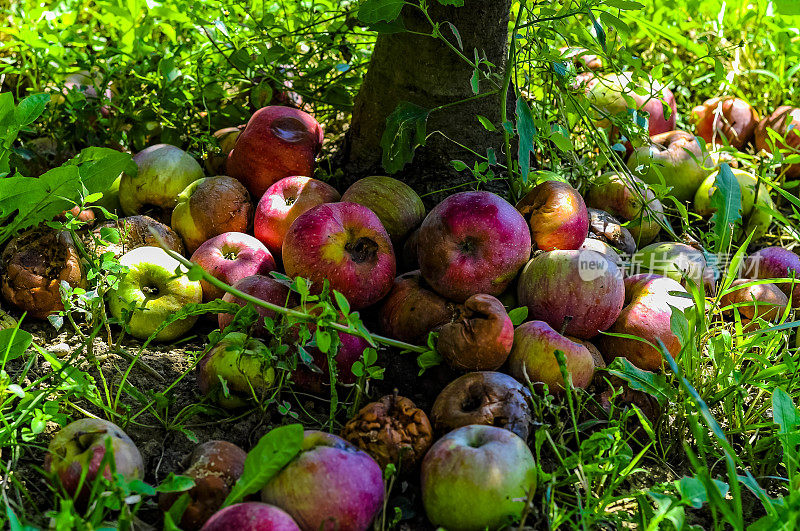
723, 452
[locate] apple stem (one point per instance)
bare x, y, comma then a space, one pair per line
302, 316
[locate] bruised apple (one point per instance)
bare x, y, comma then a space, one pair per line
209, 207
778, 263
395, 203
765, 301
579, 293
164, 171
261, 287
785, 121
730, 118
649, 303
412, 309
277, 142
557, 215
481, 339
629, 198
80, 447
533, 357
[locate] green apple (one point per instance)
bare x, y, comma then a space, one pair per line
676, 159
153, 291
758, 219
164, 172
674, 260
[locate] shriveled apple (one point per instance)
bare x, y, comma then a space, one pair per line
480, 339
209, 207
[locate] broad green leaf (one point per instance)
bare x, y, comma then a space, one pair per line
787, 7
640, 380
727, 202
405, 130
694, 492
518, 315
13, 343
527, 132
270, 455
99, 167
175, 483
30, 108
373, 11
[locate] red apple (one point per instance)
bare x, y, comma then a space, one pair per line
251, 516
283, 202
785, 121
650, 300
277, 142
261, 287
557, 215
230, 257
728, 117
345, 244
472, 242
331, 484
579, 293
776, 262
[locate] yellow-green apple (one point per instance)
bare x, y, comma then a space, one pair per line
477, 477
625, 197
154, 288
215, 466
261, 287
557, 216
757, 212
251, 516
480, 339
345, 244
785, 121
472, 242
211, 206
765, 301
33, 266
533, 358
80, 447
579, 293
244, 363
675, 158
277, 142
485, 397
730, 118
674, 260
226, 139
283, 202
412, 309
395, 203
330, 484
230, 257
649, 303
608, 94
776, 262
164, 172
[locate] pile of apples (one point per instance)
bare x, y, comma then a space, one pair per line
463, 265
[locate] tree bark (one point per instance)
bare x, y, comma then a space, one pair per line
425, 71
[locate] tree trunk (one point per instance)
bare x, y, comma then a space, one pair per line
424, 71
